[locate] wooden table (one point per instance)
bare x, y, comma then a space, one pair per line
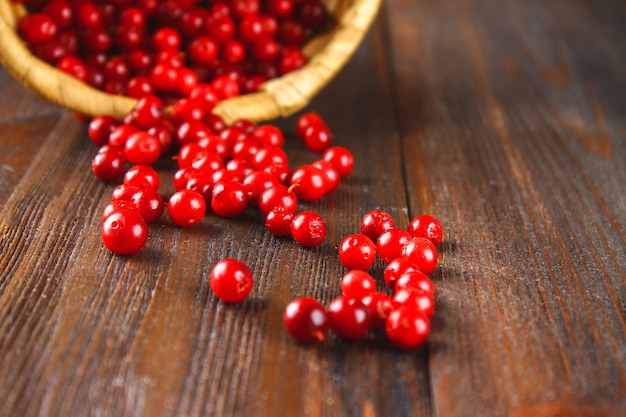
505, 119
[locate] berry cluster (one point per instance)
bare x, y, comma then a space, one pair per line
405, 316
150, 47
225, 169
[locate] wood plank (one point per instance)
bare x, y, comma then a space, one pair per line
513, 134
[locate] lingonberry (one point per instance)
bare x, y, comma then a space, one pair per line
202, 50
348, 318
278, 222
186, 208
268, 135
205, 94
61, 11
37, 28
340, 158
225, 87
396, 268
427, 227
164, 77
305, 319
142, 176
257, 182
191, 131
187, 109
278, 196
231, 280
74, 67
416, 279
241, 166
207, 161
142, 148
109, 165
226, 175
202, 183
124, 192
120, 135
317, 137
269, 155
305, 121
308, 229
357, 251
407, 328
415, 299
245, 149
375, 222
124, 232
117, 205
228, 199
421, 252
291, 61
100, 127
139, 87
245, 125
357, 284
391, 243
281, 172
149, 205
380, 306
308, 183
331, 175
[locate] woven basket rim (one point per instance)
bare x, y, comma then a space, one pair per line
278, 97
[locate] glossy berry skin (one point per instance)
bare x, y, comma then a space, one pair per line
416, 279
380, 306
100, 127
228, 199
109, 165
305, 319
357, 284
421, 252
186, 208
375, 222
396, 268
427, 227
142, 148
317, 137
349, 318
415, 299
149, 204
124, 232
37, 28
332, 179
142, 176
278, 196
357, 251
278, 222
391, 243
406, 328
340, 158
231, 280
307, 120
308, 229
308, 183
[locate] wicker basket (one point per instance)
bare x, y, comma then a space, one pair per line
281, 96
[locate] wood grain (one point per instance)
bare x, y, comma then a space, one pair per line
505, 119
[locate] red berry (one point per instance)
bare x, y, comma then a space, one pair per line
278, 222
268, 135
406, 328
109, 165
317, 137
380, 306
186, 208
231, 280
142, 176
305, 319
256, 183
391, 243
117, 205
340, 158
124, 232
142, 148
149, 204
228, 199
308, 183
427, 227
100, 128
331, 175
37, 27
416, 279
308, 229
415, 299
305, 121
375, 222
349, 318
357, 251
357, 284
396, 268
278, 196
421, 252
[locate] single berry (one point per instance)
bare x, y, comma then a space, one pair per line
308, 183
375, 222
357, 251
305, 319
396, 268
427, 227
308, 229
421, 252
278, 196
340, 158
415, 299
231, 280
406, 328
124, 232
186, 208
391, 243
416, 279
278, 222
357, 284
228, 199
149, 204
349, 318
380, 306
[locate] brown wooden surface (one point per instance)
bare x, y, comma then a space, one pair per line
506, 119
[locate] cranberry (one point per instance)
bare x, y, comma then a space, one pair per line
406, 328
142, 176
375, 222
380, 306
308, 183
148, 112
340, 158
416, 279
228, 199
415, 299
142, 148
357, 284
331, 175
391, 243
268, 135
37, 28
109, 165
421, 252
231, 280
308, 229
117, 205
317, 137
307, 120
427, 227
305, 319
124, 192
100, 128
357, 251
278, 222
149, 205
256, 183
278, 196
124, 232
396, 268
349, 318
186, 207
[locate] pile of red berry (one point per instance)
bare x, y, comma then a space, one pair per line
405, 317
140, 48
